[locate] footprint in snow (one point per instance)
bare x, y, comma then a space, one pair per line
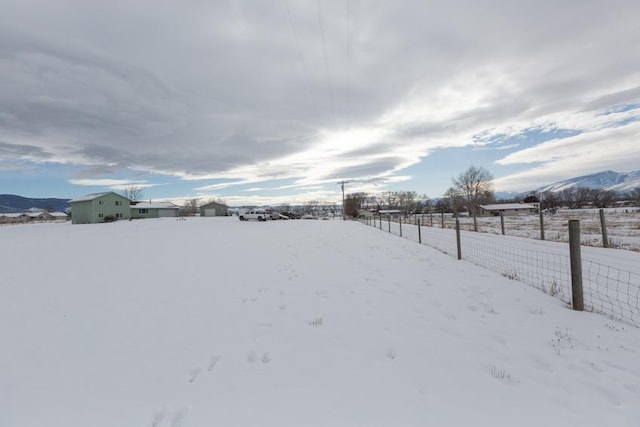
213, 360
194, 373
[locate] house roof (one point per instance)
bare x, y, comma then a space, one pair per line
93, 196
508, 206
158, 205
37, 214
12, 215
214, 204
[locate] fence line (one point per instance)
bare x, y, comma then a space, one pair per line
607, 290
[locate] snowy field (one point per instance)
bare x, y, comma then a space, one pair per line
623, 226
213, 321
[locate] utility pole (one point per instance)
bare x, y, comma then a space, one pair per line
342, 183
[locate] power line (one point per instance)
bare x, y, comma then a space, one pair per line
325, 57
301, 56
348, 56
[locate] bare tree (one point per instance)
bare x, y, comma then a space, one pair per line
426, 204
634, 196
285, 207
311, 206
354, 203
575, 197
601, 198
443, 205
407, 201
455, 202
133, 193
474, 186
190, 207
549, 201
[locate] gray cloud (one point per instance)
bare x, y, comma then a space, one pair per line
8, 150
216, 88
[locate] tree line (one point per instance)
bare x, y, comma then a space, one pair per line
474, 187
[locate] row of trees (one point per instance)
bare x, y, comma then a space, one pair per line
474, 187
470, 189
581, 197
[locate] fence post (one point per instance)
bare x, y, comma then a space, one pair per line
400, 221
475, 221
458, 238
442, 219
541, 224
603, 226
431, 215
502, 222
577, 297
380, 221
419, 235
389, 221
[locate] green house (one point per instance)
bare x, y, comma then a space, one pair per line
99, 207
214, 209
154, 210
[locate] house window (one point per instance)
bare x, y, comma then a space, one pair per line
118, 215
118, 202
99, 202
143, 211
100, 215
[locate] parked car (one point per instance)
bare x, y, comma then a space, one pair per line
257, 214
291, 215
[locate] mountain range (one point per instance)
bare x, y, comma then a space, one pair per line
621, 182
10, 203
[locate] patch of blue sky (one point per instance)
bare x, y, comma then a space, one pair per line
434, 173
527, 137
622, 108
34, 180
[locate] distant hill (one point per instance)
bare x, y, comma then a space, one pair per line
10, 203
621, 182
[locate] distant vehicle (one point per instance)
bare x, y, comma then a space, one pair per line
291, 215
257, 214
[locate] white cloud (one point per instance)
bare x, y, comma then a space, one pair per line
594, 151
115, 184
223, 93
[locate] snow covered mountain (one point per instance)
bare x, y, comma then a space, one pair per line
608, 180
12, 203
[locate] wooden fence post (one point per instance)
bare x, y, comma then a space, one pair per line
419, 234
442, 219
541, 224
577, 297
380, 221
475, 221
458, 238
603, 226
502, 222
400, 221
431, 217
389, 221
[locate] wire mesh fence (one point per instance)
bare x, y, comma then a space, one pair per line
612, 291
607, 289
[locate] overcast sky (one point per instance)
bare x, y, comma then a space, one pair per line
265, 102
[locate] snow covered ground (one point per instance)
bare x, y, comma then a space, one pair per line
623, 226
213, 321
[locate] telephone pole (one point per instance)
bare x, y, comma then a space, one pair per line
342, 183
